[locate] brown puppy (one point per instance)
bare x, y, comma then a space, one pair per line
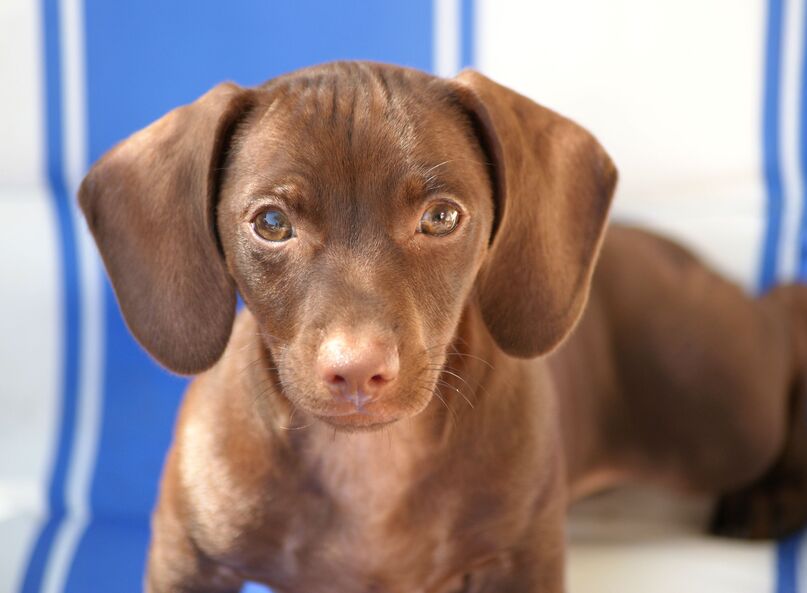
376, 419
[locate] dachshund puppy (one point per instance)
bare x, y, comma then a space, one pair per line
441, 347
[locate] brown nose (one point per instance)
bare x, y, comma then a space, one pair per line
357, 366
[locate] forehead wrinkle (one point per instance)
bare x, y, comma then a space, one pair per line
366, 149
320, 100
355, 133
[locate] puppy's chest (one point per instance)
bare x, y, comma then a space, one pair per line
369, 492
367, 520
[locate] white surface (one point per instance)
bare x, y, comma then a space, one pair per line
16, 536
30, 294
641, 540
31, 330
22, 95
673, 90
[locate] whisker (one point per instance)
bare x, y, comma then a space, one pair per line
290, 420
453, 374
470, 387
466, 355
435, 393
437, 166
281, 427
457, 389
445, 345
256, 361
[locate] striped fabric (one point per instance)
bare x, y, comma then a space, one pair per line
701, 105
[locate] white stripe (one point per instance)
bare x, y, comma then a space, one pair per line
74, 108
790, 109
446, 37
88, 418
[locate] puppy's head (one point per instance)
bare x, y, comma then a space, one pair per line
357, 208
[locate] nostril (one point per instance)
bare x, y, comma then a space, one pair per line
379, 380
336, 379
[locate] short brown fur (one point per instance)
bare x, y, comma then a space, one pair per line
459, 477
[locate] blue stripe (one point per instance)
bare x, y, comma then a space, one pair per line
770, 144
787, 556
468, 34
786, 550
71, 314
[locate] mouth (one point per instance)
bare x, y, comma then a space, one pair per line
353, 410
357, 421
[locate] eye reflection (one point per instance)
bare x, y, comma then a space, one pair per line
439, 219
273, 225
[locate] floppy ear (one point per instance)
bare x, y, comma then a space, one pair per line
150, 204
553, 185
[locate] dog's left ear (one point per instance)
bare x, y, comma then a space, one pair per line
553, 184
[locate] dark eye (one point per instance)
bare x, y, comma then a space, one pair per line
273, 225
439, 219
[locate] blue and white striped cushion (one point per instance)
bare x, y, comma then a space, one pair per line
700, 103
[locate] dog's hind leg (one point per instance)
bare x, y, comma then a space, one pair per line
775, 505
705, 380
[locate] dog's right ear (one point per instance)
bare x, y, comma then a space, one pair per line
150, 204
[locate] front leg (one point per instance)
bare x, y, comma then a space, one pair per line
176, 565
537, 565
529, 571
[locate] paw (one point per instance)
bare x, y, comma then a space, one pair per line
774, 506
770, 509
